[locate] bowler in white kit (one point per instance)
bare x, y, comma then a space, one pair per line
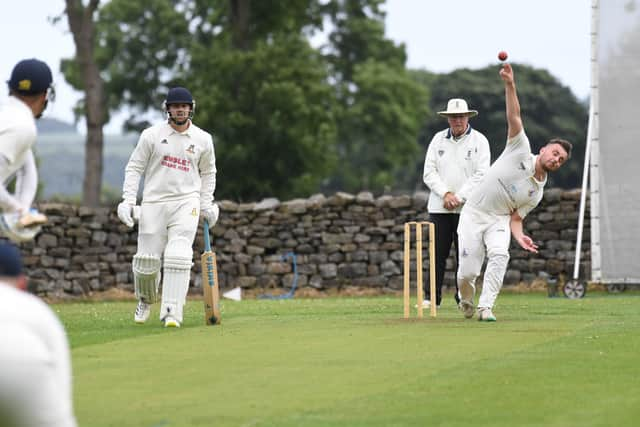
511, 188
177, 160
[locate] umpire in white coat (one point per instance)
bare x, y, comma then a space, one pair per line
456, 161
177, 161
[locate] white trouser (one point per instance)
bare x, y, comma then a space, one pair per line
161, 223
479, 235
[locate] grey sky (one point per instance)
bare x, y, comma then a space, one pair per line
439, 36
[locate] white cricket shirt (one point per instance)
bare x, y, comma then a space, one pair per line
174, 164
510, 185
35, 360
454, 165
17, 135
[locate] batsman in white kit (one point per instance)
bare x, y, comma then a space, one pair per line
177, 160
511, 188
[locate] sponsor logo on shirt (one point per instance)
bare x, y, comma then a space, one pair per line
164, 141
176, 163
521, 166
440, 153
191, 149
465, 253
468, 155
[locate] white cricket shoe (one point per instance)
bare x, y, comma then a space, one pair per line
486, 315
467, 308
143, 310
171, 322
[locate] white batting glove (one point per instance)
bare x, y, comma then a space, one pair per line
125, 213
211, 214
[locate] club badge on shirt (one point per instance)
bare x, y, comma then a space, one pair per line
191, 149
194, 212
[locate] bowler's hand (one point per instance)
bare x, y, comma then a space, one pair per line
211, 214
506, 73
125, 213
527, 244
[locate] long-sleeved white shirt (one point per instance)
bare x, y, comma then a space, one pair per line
35, 361
455, 166
175, 166
17, 137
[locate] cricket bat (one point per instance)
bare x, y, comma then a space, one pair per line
210, 287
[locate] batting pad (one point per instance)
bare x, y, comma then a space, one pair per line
146, 277
177, 268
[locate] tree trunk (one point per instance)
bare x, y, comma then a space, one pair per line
240, 11
83, 29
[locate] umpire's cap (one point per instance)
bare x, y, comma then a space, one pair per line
30, 77
10, 260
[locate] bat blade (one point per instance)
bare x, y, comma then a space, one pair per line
211, 290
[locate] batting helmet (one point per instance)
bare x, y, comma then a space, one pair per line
179, 95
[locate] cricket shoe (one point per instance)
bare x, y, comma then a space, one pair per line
467, 308
427, 304
171, 322
143, 310
486, 315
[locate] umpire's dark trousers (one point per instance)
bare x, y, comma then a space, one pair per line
446, 225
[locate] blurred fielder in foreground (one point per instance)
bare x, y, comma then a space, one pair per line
178, 163
456, 160
35, 363
512, 187
30, 90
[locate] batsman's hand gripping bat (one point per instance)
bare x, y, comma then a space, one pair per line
210, 287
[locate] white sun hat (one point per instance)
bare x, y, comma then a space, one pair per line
458, 106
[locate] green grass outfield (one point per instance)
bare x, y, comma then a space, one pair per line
355, 362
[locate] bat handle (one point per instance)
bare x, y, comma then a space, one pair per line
207, 243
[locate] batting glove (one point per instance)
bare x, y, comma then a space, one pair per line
211, 214
125, 213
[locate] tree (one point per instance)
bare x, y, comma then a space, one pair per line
126, 54
381, 107
88, 79
549, 109
266, 98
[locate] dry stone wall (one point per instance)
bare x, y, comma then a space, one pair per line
339, 241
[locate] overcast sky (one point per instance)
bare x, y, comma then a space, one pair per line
439, 36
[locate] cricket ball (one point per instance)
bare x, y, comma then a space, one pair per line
502, 56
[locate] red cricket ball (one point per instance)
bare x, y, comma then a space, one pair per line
502, 56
